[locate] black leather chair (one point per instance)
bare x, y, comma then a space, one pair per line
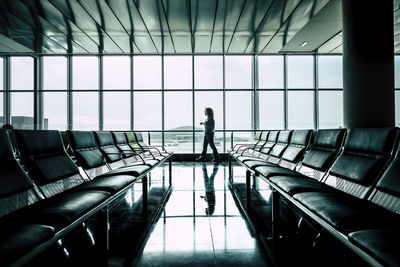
324, 150
341, 199
290, 158
90, 158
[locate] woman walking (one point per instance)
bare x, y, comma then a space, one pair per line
209, 125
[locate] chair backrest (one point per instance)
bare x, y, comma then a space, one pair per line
257, 137
105, 143
295, 150
263, 140
281, 144
140, 141
365, 154
271, 141
85, 150
387, 190
16, 189
324, 149
122, 144
130, 136
46, 160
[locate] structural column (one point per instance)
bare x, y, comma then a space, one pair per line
368, 63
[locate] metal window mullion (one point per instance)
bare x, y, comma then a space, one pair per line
70, 117
285, 93
316, 94
223, 102
256, 108
193, 108
37, 95
101, 118
162, 102
6, 90
132, 100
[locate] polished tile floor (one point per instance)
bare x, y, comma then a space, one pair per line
201, 224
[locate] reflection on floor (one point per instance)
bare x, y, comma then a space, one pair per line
201, 224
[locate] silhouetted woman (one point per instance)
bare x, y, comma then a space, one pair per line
209, 125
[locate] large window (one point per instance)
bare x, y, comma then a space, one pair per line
208, 72
22, 85
270, 69
238, 72
300, 72
147, 72
164, 97
177, 72
55, 103
1, 91
85, 74
116, 72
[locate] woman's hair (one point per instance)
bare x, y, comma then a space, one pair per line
209, 112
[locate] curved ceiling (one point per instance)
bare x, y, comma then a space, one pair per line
174, 26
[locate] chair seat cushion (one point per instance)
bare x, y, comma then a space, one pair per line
246, 158
135, 170
252, 164
383, 245
273, 170
347, 213
18, 239
297, 184
62, 209
110, 184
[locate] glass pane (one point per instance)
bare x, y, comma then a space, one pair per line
330, 72
86, 111
155, 138
270, 72
21, 73
300, 72
1, 109
208, 72
178, 111
238, 72
116, 72
397, 107
208, 99
397, 72
147, 72
239, 138
300, 110
218, 141
1, 74
22, 110
178, 72
55, 111
147, 110
271, 110
85, 74
54, 73
181, 142
238, 110
117, 112
330, 109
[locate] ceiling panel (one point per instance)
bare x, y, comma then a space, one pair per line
171, 26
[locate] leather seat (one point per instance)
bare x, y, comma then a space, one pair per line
110, 184
272, 170
18, 239
296, 184
383, 245
347, 213
60, 210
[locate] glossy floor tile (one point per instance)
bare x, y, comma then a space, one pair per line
201, 224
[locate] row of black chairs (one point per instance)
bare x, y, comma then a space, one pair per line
345, 181
44, 195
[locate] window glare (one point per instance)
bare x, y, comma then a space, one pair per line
208, 72
85, 74
330, 72
116, 72
178, 72
54, 73
21, 73
147, 72
300, 72
270, 72
238, 72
